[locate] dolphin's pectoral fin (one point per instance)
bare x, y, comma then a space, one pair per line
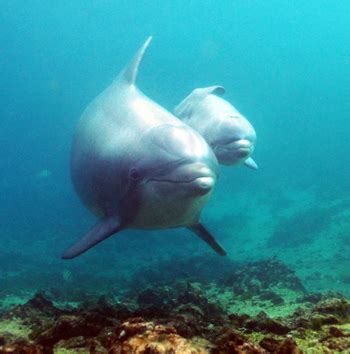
249, 162
205, 235
105, 228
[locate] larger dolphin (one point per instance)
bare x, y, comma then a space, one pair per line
227, 131
135, 165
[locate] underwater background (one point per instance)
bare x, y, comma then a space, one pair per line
285, 65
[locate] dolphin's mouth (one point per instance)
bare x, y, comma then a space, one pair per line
199, 179
200, 185
242, 146
243, 152
192, 174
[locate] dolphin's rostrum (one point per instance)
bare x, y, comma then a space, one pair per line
135, 165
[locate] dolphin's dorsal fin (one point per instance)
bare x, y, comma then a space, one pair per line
184, 109
129, 74
219, 90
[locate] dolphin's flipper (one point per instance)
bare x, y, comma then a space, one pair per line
107, 227
249, 162
129, 74
184, 109
205, 235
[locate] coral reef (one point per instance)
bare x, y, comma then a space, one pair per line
185, 317
258, 277
300, 228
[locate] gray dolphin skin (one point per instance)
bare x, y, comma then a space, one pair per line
135, 165
229, 134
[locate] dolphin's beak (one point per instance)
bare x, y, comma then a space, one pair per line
205, 178
200, 176
204, 184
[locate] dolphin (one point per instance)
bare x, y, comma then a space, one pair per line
227, 131
135, 165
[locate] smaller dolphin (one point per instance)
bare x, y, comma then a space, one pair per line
229, 134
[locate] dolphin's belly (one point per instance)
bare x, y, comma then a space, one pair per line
156, 218
155, 213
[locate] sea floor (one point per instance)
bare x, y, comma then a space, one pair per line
285, 288
256, 307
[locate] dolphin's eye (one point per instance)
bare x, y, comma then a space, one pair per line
134, 174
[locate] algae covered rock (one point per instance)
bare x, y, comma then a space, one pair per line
273, 345
24, 348
37, 307
271, 296
152, 297
334, 306
260, 277
136, 336
263, 323
232, 341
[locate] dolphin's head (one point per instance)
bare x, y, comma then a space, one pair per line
176, 177
230, 135
235, 139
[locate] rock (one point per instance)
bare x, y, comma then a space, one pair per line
231, 341
72, 343
286, 346
335, 306
66, 327
18, 348
105, 308
263, 323
316, 321
79, 345
337, 345
271, 296
37, 307
336, 332
238, 320
270, 344
137, 336
195, 296
40, 302
254, 278
289, 346
190, 309
187, 326
310, 297
150, 297
322, 314
2, 339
